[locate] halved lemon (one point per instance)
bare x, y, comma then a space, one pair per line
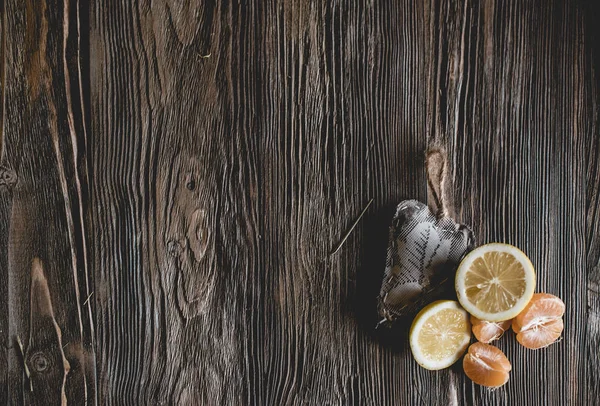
440, 334
495, 282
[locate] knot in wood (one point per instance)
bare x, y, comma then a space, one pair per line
8, 177
174, 248
40, 362
198, 234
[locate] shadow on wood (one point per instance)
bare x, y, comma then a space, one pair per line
369, 278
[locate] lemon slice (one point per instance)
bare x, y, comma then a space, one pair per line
440, 334
495, 282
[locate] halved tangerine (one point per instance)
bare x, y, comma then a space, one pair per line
540, 323
486, 365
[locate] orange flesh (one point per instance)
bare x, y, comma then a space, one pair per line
486, 365
488, 331
540, 323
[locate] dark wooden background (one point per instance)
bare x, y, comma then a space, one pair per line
182, 170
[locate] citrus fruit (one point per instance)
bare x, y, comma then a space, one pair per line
488, 331
440, 334
486, 365
540, 323
495, 282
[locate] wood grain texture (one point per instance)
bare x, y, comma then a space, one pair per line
174, 176
526, 176
238, 141
4, 216
42, 198
591, 95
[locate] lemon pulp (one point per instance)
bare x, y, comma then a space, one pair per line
495, 282
440, 334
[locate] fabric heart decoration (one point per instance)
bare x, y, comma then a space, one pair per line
425, 247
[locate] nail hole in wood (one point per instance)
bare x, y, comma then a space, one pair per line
190, 184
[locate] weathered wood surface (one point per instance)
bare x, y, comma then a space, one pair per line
46, 274
192, 164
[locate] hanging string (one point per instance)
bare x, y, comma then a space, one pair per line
438, 189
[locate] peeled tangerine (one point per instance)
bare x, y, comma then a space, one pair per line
540, 323
488, 331
486, 365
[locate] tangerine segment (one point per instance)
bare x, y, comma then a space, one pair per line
440, 334
495, 282
541, 337
488, 331
540, 323
486, 365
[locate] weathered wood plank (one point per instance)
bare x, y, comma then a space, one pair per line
42, 198
590, 113
520, 164
233, 145
175, 244
593, 258
4, 214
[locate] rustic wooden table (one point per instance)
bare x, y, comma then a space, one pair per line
174, 175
